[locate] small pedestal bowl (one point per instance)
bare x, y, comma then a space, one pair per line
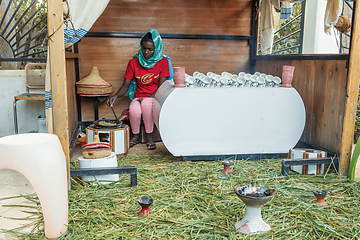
253, 197
320, 196
145, 203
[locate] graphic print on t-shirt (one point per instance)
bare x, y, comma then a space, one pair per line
147, 78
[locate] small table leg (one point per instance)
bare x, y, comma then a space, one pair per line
133, 179
96, 109
284, 170
15, 118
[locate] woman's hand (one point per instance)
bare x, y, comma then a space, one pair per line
121, 92
110, 102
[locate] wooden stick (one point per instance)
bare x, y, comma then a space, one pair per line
58, 75
352, 93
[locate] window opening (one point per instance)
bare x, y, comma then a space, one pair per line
288, 35
23, 30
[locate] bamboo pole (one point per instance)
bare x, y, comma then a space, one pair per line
352, 92
58, 74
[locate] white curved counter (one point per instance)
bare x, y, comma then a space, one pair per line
229, 121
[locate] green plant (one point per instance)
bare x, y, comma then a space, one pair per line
357, 121
354, 160
356, 152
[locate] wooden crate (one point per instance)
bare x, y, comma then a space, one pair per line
298, 153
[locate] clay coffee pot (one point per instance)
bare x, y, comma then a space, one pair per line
320, 196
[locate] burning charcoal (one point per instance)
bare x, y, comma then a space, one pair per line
255, 192
261, 195
252, 195
269, 192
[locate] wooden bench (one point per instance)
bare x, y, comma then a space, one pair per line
132, 170
286, 163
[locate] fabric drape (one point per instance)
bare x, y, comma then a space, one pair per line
272, 13
332, 13
273, 10
268, 20
83, 14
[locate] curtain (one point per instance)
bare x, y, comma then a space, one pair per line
82, 15
268, 21
272, 10
332, 13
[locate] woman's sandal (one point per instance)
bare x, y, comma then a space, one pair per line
133, 143
150, 146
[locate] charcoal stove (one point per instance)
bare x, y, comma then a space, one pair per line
253, 197
117, 136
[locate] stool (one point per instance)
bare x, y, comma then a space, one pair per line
40, 158
34, 79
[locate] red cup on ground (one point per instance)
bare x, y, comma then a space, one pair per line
145, 203
320, 196
227, 169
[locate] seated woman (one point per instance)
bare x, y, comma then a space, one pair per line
150, 69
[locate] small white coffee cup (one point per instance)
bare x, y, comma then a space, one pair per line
253, 78
190, 80
223, 80
276, 80
241, 74
206, 80
260, 80
269, 78
241, 80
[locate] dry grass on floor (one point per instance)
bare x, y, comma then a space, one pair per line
193, 200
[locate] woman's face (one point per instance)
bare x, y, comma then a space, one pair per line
147, 49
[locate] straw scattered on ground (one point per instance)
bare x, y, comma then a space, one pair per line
194, 200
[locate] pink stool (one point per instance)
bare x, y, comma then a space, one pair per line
40, 158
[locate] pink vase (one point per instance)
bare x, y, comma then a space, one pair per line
179, 76
287, 76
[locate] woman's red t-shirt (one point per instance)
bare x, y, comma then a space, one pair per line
147, 80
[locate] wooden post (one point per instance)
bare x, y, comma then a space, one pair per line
58, 74
352, 92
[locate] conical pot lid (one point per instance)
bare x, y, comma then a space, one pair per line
93, 79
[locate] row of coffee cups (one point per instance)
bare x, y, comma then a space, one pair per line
226, 79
